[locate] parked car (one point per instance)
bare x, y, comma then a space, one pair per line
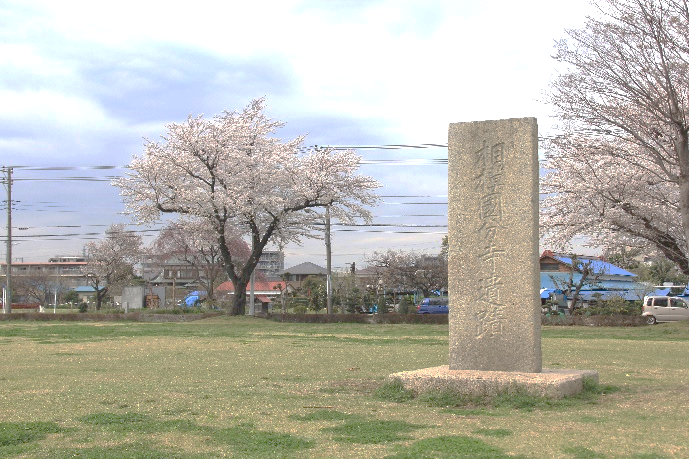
665, 309
437, 305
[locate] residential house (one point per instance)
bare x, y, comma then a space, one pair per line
607, 280
296, 275
265, 292
66, 272
86, 293
179, 272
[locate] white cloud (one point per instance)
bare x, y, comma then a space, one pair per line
46, 107
92, 78
23, 57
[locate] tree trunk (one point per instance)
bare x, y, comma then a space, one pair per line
239, 304
240, 282
210, 292
99, 298
575, 295
683, 155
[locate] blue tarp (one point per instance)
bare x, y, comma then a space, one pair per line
547, 279
599, 266
627, 289
193, 297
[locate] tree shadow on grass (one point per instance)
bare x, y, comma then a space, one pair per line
243, 439
18, 437
135, 422
125, 451
372, 431
500, 433
456, 447
16, 433
324, 415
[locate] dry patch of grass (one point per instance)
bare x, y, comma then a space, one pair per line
351, 387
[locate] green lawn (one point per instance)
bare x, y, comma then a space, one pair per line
243, 387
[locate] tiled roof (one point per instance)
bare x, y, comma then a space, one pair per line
305, 268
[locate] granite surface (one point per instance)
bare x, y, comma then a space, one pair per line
549, 383
493, 246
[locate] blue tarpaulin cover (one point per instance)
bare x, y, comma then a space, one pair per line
599, 266
628, 289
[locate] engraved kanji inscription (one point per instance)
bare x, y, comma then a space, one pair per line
488, 183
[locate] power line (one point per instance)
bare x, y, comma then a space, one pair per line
51, 206
108, 225
68, 168
109, 178
344, 228
386, 147
69, 179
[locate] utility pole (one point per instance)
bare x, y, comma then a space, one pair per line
252, 282
328, 264
7, 306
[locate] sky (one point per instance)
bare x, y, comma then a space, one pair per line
83, 83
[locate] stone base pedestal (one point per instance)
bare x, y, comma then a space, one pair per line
549, 383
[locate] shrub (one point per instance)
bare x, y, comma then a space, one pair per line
301, 309
105, 317
71, 297
391, 318
319, 318
411, 319
615, 305
83, 307
596, 320
406, 306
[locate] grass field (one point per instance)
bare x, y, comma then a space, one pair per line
243, 387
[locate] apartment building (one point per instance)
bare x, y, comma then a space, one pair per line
67, 271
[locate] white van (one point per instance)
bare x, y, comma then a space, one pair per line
665, 309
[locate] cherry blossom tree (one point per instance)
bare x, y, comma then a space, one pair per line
111, 260
231, 172
619, 166
193, 242
404, 270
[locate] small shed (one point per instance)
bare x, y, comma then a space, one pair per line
86, 293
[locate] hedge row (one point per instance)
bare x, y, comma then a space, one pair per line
106, 317
597, 320
391, 318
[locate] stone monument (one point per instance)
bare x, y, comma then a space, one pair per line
495, 313
493, 269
